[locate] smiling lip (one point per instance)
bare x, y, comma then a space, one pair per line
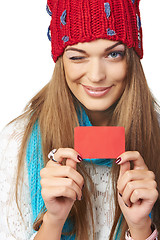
96, 91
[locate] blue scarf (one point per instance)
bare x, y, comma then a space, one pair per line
35, 163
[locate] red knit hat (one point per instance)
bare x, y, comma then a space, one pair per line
76, 21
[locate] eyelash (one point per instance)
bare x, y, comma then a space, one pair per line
121, 53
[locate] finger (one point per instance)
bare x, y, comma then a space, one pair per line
133, 175
150, 195
58, 182
62, 172
49, 193
71, 163
132, 156
133, 185
67, 153
123, 168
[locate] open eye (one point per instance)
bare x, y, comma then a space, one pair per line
116, 54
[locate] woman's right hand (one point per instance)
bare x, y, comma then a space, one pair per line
61, 184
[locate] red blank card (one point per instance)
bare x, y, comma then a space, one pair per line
99, 142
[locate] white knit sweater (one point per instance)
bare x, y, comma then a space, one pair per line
11, 224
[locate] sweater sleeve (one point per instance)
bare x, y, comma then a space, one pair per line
12, 226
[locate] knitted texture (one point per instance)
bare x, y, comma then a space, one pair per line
34, 159
74, 21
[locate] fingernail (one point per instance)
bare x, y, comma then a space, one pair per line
118, 160
120, 194
79, 158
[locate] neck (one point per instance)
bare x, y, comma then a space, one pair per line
101, 118
97, 118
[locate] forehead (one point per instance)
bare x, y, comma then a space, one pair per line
102, 43
98, 45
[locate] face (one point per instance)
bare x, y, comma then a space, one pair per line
95, 72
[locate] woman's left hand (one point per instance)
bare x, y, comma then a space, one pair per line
137, 190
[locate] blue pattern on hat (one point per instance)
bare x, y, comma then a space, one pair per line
107, 9
63, 17
49, 33
48, 10
138, 22
65, 38
110, 32
133, 1
139, 44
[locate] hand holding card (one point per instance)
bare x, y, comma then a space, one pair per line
99, 142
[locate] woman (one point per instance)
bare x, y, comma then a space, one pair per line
98, 80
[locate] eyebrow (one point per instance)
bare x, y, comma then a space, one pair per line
82, 51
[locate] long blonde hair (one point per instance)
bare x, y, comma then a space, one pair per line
55, 107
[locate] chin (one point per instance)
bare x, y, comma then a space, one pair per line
98, 108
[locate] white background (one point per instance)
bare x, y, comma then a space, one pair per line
25, 52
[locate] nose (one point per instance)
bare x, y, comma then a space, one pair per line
96, 71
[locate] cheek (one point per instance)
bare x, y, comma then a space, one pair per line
118, 73
73, 74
